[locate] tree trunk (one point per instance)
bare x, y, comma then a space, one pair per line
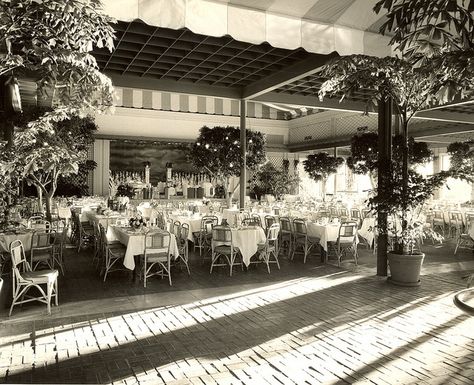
373, 180
48, 201
405, 178
40, 198
323, 189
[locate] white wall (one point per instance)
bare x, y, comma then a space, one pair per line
177, 125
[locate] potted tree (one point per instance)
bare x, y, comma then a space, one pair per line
320, 166
411, 89
217, 151
270, 180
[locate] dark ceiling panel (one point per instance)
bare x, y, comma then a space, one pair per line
162, 53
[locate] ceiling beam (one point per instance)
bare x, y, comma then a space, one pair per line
445, 116
165, 85
288, 75
311, 101
320, 145
437, 131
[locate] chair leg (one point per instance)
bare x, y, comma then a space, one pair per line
49, 294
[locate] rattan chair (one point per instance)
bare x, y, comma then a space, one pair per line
156, 257
113, 254
268, 251
302, 240
23, 279
286, 236
41, 250
202, 238
224, 253
183, 247
346, 242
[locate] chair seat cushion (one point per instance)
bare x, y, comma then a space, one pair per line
157, 258
41, 257
40, 276
223, 249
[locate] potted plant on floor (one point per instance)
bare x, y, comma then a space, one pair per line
406, 225
410, 88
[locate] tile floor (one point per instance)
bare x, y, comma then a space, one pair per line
304, 324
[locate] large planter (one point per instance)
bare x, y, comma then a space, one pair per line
405, 269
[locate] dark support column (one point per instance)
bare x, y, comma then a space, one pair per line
243, 149
335, 175
6, 113
384, 159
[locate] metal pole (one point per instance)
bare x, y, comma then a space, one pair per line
243, 149
384, 159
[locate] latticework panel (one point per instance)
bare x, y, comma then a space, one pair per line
311, 131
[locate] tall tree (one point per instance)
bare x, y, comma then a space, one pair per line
46, 156
217, 150
51, 40
411, 90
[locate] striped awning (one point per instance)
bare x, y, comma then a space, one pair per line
319, 26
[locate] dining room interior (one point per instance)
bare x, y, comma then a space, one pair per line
236, 192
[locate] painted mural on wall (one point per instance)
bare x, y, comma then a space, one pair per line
130, 156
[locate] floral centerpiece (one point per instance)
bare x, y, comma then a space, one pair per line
137, 222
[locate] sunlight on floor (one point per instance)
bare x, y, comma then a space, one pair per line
359, 348
50, 345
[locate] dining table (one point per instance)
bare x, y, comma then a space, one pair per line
134, 240
326, 232
247, 239
193, 221
7, 237
103, 219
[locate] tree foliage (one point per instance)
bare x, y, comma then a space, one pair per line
42, 157
270, 180
436, 34
52, 40
410, 88
462, 160
428, 27
321, 165
217, 150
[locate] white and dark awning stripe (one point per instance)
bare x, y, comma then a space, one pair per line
166, 101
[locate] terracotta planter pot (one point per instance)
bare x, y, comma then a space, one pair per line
405, 269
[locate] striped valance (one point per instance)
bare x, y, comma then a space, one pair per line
166, 101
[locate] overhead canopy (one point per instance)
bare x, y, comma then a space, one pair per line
266, 51
318, 26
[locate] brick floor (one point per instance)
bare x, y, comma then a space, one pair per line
313, 324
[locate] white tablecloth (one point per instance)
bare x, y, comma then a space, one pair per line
367, 230
7, 238
247, 240
194, 222
325, 233
135, 243
104, 220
